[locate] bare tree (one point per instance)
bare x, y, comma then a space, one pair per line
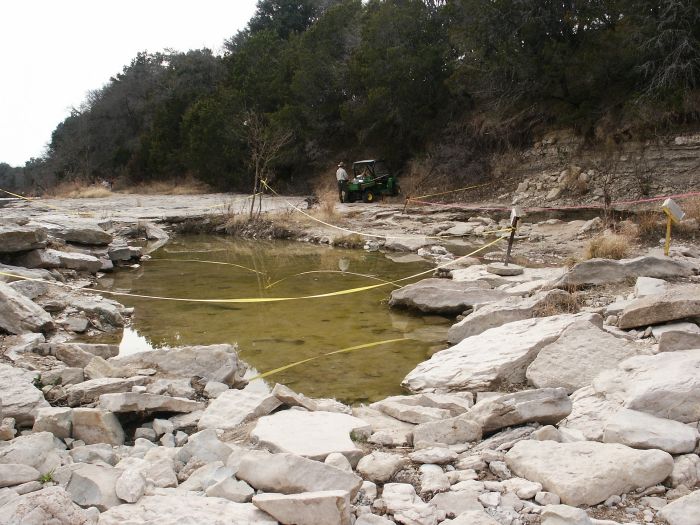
266, 143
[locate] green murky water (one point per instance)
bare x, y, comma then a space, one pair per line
270, 335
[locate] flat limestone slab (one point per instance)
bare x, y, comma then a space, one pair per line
184, 508
680, 303
311, 434
443, 296
20, 398
587, 472
582, 351
308, 508
234, 407
496, 356
666, 385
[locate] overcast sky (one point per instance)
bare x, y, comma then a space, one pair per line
52, 52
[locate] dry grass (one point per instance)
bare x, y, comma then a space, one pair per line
78, 190
569, 303
186, 186
608, 246
326, 193
691, 207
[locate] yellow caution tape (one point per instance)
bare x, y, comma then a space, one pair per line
262, 299
208, 262
29, 199
331, 271
450, 191
341, 351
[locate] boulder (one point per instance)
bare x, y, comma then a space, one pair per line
234, 407
93, 425
495, 357
505, 311
19, 398
380, 466
90, 391
107, 310
185, 508
415, 414
57, 420
443, 296
94, 486
14, 474
34, 450
673, 341
666, 385
433, 456
456, 502
587, 472
214, 362
311, 434
686, 471
19, 272
606, 271
580, 353
460, 429
79, 231
639, 430
49, 258
15, 238
232, 490
590, 412
206, 476
402, 501
290, 474
206, 446
130, 485
330, 507
683, 511
679, 303
293, 399
545, 406
51, 505
142, 402
19, 315
649, 286
386, 430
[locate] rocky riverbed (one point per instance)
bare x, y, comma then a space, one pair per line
566, 396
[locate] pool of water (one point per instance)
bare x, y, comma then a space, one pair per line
272, 334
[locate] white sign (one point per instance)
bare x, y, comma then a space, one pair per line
673, 210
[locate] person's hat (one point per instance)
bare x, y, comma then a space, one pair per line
341, 165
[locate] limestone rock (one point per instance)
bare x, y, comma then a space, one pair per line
15, 238
460, 429
666, 385
234, 407
640, 430
93, 425
214, 362
673, 341
686, 471
57, 420
94, 486
380, 466
679, 303
546, 406
590, 413
649, 286
141, 402
34, 450
51, 505
19, 398
402, 501
411, 413
79, 231
386, 430
683, 511
578, 356
49, 258
206, 446
457, 502
289, 473
293, 399
232, 490
130, 486
472, 517
605, 271
443, 296
19, 315
434, 456
505, 311
588, 472
91, 390
185, 508
497, 356
107, 310
331, 507
15, 474
310, 434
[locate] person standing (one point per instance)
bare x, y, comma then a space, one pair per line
342, 177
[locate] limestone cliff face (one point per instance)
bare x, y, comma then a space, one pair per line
560, 169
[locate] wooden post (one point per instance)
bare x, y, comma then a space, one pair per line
667, 245
515, 215
674, 213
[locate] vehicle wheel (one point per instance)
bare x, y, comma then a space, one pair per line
368, 196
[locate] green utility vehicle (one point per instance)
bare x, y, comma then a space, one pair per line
371, 180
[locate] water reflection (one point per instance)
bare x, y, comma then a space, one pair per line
273, 334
